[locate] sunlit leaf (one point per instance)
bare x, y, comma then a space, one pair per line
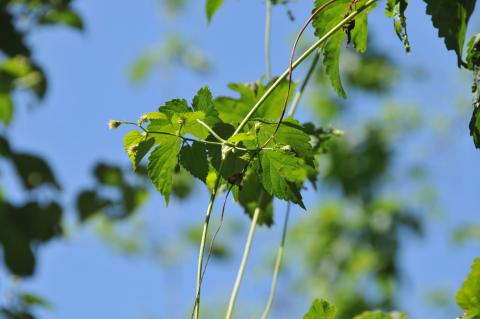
137, 146
320, 309
468, 297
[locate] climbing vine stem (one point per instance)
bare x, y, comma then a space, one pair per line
196, 308
257, 211
278, 264
246, 253
268, 28
297, 62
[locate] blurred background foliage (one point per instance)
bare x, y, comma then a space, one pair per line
347, 248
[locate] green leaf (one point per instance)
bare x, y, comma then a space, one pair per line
211, 6
182, 120
248, 197
162, 163
325, 21
67, 17
451, 18
475, 126
35, 300
396, 9
473, 52
290, 133
331, 61
282, 174
203, 101
234, 110
23, 226
320, 309
6, 108
33, 171
233, 163
194, 160
473, 60
468, 297
175, 106
137, 146
108, 174
89, 203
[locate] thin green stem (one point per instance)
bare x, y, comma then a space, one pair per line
196, 308
268, 28
281, 248
278, 264
298, 95
246, 253
297, 62
214, 134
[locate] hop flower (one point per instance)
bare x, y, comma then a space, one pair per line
132, 150
143, 119
113, 124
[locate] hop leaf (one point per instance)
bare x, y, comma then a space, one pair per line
194, 160
137, 146
320, 309
282, 174
325, 21
468, 297
162, 163
451, 18
234, 110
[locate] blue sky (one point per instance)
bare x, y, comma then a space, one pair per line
88, 74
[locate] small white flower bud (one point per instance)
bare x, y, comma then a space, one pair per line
286, 148
133, 149
143, 119
113, 124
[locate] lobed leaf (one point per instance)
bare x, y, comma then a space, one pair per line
320, 309
282, 174
325, 21
194, 160
468, 297
233, 110
137, 146
162, 163
450, 18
